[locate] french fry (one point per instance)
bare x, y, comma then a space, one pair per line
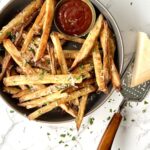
16, 55
83, 68
104, 38
115, 77
43, 92
70, 54
46, 29
19, 20
42, 79
44, 100
59, 53
33, 29
76, 102
11, 90
81, 111
5, 64
42, 111
21, 93
81, 85
69, 110
89, 42
69, 38
98, 67
51, 106
52, 59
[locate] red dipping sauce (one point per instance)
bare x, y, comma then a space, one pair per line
73, 17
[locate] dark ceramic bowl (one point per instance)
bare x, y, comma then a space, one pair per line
95, 100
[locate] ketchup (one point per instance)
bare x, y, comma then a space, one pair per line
73, 17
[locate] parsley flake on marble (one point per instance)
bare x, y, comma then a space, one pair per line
91, 120
11, 111
66, 145
63, 135
73, 138
108, 118
110, 110
144, 110
48, 133
60, 142
145, 102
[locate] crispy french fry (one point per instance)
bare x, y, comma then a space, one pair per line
11, 90
51, 106
112, 45
21, 93
98, 67
83, 68
16, 55
69, 38
104, 38
52, 59
18, 38
46, 29
81, 111
44, 100
76, 102
5, 64
81, 85
19, 20
42, 110
70, 54
33, 29
89, 42
43, 92
42, 79
115, 77
59, 53
69, 110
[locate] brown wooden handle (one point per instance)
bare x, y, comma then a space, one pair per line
110, 132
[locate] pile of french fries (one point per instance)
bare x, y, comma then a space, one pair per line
38, 72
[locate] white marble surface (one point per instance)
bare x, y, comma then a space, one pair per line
17, 133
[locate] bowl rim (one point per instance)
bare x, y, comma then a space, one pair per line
94, 2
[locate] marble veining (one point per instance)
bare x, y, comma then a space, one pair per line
18, 133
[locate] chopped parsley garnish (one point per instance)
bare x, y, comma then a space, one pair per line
71, 129
144, 110
48, 133
79, 78
60, 142
63, 135
48, 61
81, 66
8, 33
108, 118
31, 49
110, 110
12, 36
11, 111
124, 119
132, 120
91, 120
73, 138
66, 145
145, 102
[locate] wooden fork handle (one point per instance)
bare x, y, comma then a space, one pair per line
110, 132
